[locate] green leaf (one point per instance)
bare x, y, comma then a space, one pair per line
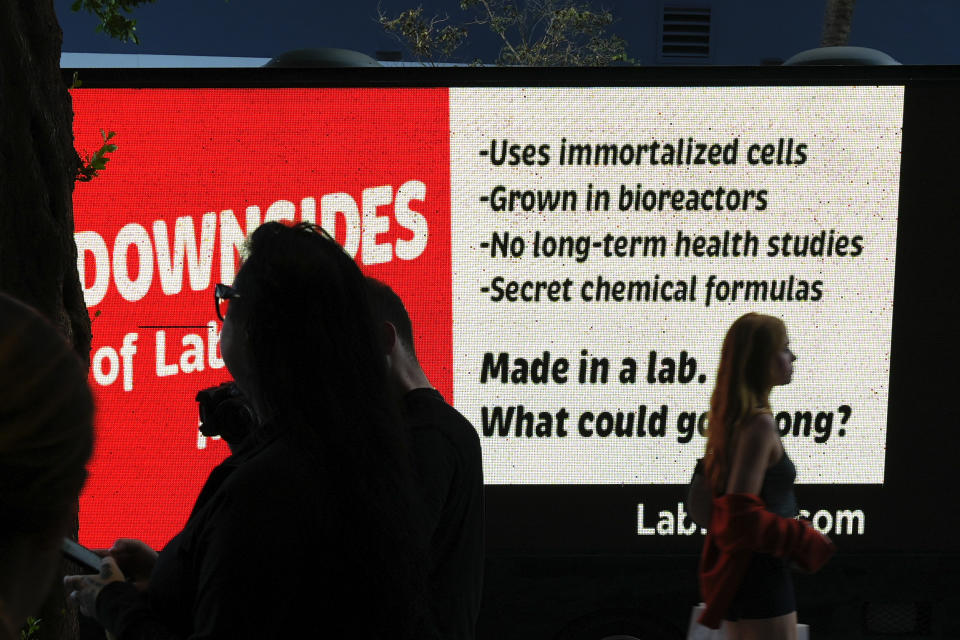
110, 20
89, 166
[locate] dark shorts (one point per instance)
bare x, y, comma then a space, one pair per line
766, 590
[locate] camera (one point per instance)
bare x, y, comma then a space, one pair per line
225, 412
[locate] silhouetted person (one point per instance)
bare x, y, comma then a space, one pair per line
448, 463
753, 536
46, 437
313, 533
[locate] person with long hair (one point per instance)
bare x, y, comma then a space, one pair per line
753, 535
46, 438
315, 528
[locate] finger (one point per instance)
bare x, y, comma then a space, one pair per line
126, 543
126, 549
101, 552
72, 582
122, 556
121, 545
110, 570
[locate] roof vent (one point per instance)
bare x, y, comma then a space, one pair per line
841, 55
685, 33
322, 57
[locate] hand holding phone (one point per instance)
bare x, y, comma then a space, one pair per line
82, 590
135, 558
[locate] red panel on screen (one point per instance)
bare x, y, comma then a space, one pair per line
194, 171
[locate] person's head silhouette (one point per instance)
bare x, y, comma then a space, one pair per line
46, 438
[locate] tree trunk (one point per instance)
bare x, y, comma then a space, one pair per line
37, 168
837, 20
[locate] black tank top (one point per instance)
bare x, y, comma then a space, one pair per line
777, 489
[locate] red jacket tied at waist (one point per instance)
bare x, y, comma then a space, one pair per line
739, 526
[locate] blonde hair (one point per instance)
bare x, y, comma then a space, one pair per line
742, 389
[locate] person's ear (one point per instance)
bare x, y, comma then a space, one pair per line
389, 337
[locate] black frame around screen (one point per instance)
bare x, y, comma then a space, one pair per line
910, 512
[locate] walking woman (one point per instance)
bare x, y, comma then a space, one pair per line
753, 537
312, 531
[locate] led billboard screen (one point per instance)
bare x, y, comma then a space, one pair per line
571, 257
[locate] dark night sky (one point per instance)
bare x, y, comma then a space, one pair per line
744, 32
252, 28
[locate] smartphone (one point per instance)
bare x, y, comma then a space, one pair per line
81, 555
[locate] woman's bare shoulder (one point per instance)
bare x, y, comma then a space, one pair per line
759, 428
757, 445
